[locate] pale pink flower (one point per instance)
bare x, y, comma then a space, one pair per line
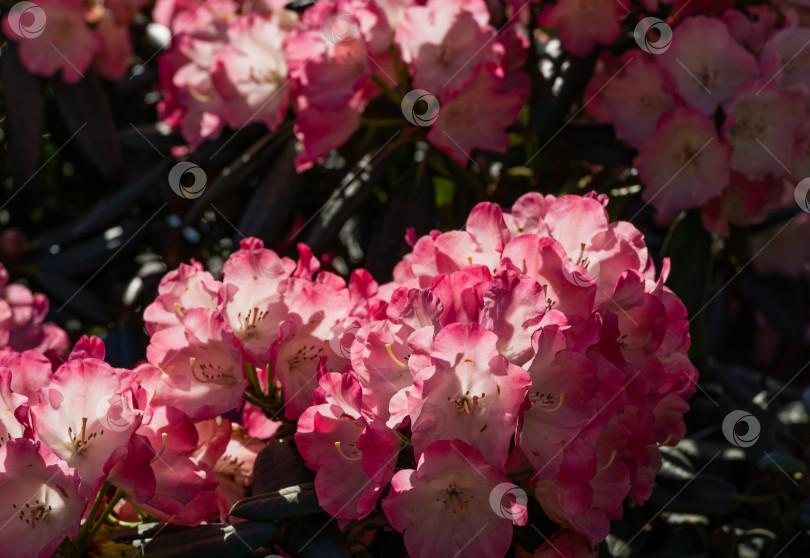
444, 41
250, 73
476, 117
182, 289
763, 125
65, 44
354, 457
683, 164
705, 62
251, 300
637, 98
444, 506
468, 392
202, 370
41, 495
86, 418
583, 25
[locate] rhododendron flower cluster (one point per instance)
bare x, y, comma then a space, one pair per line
72, 428
68, 36
536, 341
231, 64
719, 116
535, 346
23, 328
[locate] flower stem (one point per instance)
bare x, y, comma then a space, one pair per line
390, 93
520, 472
90, 516
104, 513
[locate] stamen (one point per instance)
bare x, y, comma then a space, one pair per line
84, 429
555, 408
609, 463
164, 437
394, 358
179, 309
344, 456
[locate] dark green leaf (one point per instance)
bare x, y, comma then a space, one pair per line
23, 112
85, 109
278, 465
292, 501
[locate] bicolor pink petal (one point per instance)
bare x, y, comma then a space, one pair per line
469, 392
445, 504
41, 493
683, 164
705, 62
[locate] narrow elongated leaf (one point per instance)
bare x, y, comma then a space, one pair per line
412, 204
315, 537
23, 112
84, 106
210, 541
292, 501
268, 211
277, 466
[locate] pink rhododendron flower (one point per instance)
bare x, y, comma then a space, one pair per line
583, 25
201, 365
705, 62
250, 73
683, 164
41, 494
475, 116
86, 418
354, 456
467, 392
181, 290
444, 41
443, 507
65, 43
253, 302
762, 126
637, 98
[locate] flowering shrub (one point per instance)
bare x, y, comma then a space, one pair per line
722, 125
483, 358
544, 326
233, 64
